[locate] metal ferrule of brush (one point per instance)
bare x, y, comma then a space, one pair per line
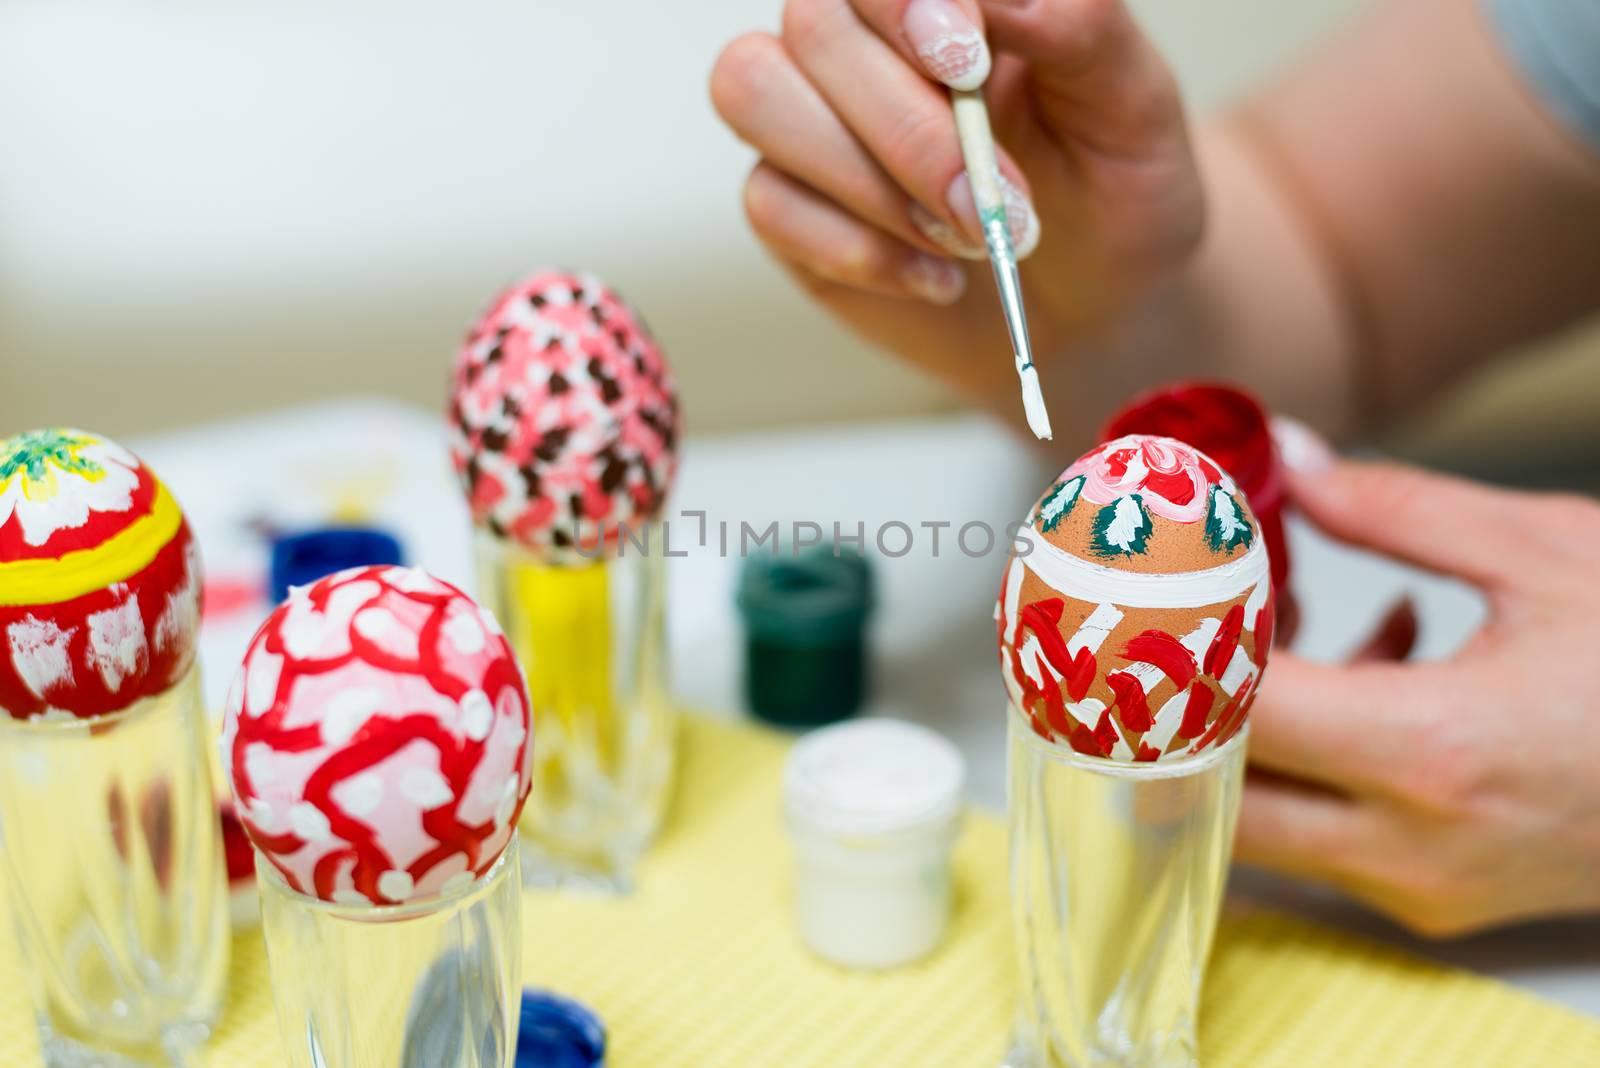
1003, 258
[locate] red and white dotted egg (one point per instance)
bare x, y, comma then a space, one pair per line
564, 417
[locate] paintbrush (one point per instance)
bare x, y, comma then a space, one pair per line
977, 146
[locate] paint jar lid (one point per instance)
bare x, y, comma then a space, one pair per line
1226, 423
1230, 426
558, 1032
813, 599
302, 558
873, 776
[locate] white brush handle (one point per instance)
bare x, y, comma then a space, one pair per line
977, 148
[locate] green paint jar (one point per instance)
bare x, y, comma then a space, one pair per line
805, 620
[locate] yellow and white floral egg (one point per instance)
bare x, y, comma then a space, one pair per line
1136, 612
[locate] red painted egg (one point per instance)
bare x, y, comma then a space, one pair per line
99, 578
377, 738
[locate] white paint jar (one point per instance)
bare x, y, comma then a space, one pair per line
873, 807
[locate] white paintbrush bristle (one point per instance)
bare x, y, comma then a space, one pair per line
1033, 404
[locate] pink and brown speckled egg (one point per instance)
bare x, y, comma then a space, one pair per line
564, 418
99, 578
1136, 615
377, 738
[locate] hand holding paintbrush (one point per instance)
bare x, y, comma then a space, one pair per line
866, 192
957, 54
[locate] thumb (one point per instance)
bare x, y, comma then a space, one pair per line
1097, 80
1439, 522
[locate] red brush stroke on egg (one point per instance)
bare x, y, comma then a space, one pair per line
1105, 733
1084, 670
1161, 649
1055, 710
1226, 641
1043, 619
1266, 619
1083, 740
1130, 703
1195, 710
1224, 721
1175, 486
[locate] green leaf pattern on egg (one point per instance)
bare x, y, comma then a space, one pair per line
1226, 526
1122, 528
1057, 503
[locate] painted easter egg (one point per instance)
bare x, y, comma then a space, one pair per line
99, 578
1137, 611
377, 738
564, 418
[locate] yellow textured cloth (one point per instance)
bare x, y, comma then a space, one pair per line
703, 967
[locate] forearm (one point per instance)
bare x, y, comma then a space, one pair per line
1396, 209
1463, 220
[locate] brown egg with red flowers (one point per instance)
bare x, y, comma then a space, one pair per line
1136, 612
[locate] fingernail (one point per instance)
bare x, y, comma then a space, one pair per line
1304, 451
934, 280
1021, 220
947, 43
944, 235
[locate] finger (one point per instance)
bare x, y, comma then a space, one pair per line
761, 94
942, 37
1368, 851
1301, 447
1435, 521
1356, 728
1097, 79
809, 230
901, 118
1394, 638
1300, 829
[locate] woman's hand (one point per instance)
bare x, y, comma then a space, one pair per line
1451, 795
860, 190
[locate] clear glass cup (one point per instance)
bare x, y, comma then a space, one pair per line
111, 853
1117, 876
591, 637
434, 984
